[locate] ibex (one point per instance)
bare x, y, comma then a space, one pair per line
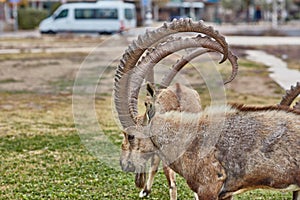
146, 42
194, 98
258, 147
287, 100
171, 95
187, 104
184, 99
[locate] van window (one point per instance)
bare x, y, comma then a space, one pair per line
92, 13
129, 13
62, 14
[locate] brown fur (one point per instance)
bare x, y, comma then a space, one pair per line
256, 149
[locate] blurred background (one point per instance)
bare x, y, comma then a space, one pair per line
41, 153
27, 14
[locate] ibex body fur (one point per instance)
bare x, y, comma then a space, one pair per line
257, 148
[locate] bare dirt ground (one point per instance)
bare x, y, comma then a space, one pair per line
34, 75
47, 70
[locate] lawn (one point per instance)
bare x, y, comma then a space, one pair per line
42, 156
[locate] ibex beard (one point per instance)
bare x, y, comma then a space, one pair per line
256, 148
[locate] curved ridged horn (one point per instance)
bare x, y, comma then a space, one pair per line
163, 50
166, 80
290, 95
297, 106
137, 48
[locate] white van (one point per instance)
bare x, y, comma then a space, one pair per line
100, 17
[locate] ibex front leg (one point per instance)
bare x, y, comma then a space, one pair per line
155, 160
171, 176
296, 195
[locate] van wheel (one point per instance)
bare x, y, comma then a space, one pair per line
48, 32
105, 33
51, 32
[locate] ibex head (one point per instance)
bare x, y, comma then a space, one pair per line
137, 147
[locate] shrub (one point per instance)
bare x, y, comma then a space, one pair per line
54, 6
29, 18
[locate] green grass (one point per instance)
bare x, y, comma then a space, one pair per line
59, 167
42, 156
9, 80
42, 55
55, 167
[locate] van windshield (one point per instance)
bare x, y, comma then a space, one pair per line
94, 13
62, 14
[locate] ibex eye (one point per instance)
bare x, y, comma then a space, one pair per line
130, 137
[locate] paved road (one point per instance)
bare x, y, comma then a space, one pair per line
256, 40
279, 71
243, 40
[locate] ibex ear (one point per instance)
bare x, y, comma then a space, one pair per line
151, 90
146, 120
150, 112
